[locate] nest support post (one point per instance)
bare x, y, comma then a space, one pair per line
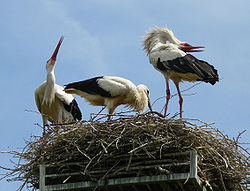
163, 182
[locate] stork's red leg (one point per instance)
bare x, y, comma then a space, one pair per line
180, 98
167, 97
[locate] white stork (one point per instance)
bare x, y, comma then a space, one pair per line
52, 102
168, 55
111, 92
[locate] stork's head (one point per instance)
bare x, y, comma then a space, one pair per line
166, 35
145, 90
156, 34
51, 62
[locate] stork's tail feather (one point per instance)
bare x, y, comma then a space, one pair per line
211, 80
210, 73
206, 71
70, 86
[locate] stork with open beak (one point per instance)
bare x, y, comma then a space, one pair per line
111, 91
52, 102
169, 56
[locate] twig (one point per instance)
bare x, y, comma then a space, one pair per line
137, 148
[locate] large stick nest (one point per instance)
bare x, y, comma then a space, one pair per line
112, 147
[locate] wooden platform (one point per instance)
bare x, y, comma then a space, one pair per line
164, 181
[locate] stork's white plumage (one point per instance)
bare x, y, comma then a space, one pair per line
111, 92
168, 55
52, 102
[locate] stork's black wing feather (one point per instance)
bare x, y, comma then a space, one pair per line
190, 64
89, 86
73, 109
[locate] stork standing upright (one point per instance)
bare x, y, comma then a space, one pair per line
111, 91
168, 55
52, 102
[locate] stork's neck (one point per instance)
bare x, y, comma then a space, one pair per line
51, 79
49, 94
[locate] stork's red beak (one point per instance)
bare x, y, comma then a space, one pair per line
149, 105
53, 57
188, 48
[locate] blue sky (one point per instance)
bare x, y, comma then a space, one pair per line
105, 38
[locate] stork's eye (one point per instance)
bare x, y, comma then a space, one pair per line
148, 92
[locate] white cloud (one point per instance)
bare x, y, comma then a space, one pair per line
80, 47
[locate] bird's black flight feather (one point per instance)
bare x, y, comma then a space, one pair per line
74, 110
190, 64
89, 86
